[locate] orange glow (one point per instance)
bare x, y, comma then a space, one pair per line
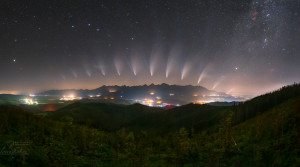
202, 102
9, 92
49, 107
112, 90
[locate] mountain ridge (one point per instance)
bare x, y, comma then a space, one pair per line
175, 94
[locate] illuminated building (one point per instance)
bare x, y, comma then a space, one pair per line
29, 101
70, 98
152, 103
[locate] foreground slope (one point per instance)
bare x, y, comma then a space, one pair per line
270, 138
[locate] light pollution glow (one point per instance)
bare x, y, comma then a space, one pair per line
135, 64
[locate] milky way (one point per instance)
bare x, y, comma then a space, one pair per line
238, 47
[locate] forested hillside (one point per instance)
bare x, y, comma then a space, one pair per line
264, 131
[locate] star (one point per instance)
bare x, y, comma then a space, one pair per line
89, 24
73, 26
14, 60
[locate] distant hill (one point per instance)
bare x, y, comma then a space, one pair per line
189, 116
139, 117
224, 103
173, 94
10, 99
100, 115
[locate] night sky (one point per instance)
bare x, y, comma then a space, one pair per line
235, 46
